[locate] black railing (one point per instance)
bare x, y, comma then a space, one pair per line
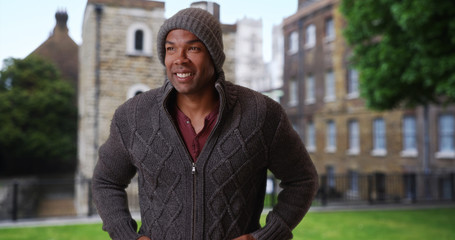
42, 198
386, 188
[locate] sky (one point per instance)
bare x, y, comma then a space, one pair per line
26, 24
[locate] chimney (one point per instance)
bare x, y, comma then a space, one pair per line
61, 17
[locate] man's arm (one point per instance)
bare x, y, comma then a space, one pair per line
113, 173
289, 161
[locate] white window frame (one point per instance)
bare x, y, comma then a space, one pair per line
329, 30
446, 138
409, 130
146, 38
353, 84
354, 137
293, 92
331, 137
379, 137
330, 95
310, 90
293, 43
311, 137
310, 36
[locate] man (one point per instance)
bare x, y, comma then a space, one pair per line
201, 148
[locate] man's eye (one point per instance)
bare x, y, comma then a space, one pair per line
169, 48
194, 49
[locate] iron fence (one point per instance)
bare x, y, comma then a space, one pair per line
386, 188
43, 198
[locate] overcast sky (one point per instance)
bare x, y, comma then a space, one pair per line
25, 24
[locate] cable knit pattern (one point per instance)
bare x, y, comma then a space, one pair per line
224, 198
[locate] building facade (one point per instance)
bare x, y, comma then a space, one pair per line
249, 63
117, 60
323, 102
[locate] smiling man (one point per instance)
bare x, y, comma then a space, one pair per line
201, 147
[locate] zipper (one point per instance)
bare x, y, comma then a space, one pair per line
193, 172
193, 166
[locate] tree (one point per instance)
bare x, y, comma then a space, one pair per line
37, 119
404, 50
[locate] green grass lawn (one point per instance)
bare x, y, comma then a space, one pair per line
403, 224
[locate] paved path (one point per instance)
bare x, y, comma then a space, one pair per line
59, 221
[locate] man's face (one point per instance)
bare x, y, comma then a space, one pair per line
188, 63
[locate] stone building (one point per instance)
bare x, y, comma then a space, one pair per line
61, 50
273, 79
323, 102
118, 60
249, 64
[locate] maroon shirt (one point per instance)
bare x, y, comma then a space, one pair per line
195, 142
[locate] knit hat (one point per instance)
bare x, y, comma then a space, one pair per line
203, 25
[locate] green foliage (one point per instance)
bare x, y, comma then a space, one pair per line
404, 50
37, 118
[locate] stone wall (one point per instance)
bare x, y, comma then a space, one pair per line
119, 71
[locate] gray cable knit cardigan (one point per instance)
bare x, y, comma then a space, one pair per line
221, 195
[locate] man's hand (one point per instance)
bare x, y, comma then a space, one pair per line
245, 237
144, 238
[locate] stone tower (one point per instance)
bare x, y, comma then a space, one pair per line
117, 60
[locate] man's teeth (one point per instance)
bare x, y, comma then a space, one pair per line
183, 75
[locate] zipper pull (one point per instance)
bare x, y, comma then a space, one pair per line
193, 169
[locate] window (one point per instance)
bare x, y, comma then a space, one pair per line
253, 43
409, 180
446, 136
310, 36
311, 137
379, 138
136, 89
353, 83
293, 92
353, 192
329, 87
139, 40
409, 137
330, 176
310, 90
329, 30
293, 42
331, 136
354, 141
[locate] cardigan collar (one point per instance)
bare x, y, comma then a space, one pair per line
226, 91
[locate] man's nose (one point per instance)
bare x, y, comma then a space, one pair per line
181, 57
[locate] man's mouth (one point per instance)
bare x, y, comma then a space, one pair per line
183, 75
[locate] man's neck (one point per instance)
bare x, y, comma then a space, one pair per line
197, 106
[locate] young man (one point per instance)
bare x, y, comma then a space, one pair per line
201, 147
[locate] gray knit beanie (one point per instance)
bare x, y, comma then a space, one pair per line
202, 24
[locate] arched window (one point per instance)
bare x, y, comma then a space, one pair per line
136, 89
139, 40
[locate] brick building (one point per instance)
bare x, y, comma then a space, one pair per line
323, 102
